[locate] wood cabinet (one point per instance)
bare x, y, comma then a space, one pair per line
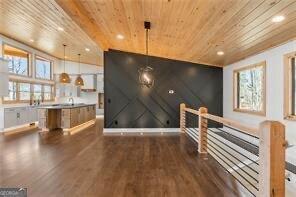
65, 119
76, 116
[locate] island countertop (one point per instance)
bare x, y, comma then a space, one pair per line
64, 106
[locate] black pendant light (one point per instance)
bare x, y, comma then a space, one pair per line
64, 77
146, 73
79, 81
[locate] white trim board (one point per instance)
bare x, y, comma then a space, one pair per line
141, 130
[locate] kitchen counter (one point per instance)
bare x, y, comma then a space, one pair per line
65, 116
63, 106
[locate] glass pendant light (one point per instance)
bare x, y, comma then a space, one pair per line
146, 74
64, 77
79, 81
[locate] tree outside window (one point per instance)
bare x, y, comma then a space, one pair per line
43, 68
250, 89
18, 60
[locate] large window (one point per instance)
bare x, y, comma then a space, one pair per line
23, 92
43, 68
19, 60
290, 86
12, 92
47, 92
249, 89
37, 91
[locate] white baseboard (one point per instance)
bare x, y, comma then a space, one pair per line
140, 130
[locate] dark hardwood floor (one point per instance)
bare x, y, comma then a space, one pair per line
90, 164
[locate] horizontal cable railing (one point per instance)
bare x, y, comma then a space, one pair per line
255, 157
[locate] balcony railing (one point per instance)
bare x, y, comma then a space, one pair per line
255, 157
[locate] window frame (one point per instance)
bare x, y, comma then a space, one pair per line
235, 90
51, 67
29, 66
288, 86
18, 92
31, 92
16, 95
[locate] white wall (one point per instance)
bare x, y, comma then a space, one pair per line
73, 68
274, 89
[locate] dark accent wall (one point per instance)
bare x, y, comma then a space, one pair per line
128, 105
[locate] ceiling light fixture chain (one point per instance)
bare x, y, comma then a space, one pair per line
64, 57
145, 74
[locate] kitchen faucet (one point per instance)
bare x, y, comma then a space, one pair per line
71, 99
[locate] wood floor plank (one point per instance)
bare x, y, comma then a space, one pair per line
91, 164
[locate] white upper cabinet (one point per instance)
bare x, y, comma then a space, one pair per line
90, 81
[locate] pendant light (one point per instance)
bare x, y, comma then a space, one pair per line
146, 73
64, 77
79, 81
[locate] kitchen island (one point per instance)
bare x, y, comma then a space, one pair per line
68, 117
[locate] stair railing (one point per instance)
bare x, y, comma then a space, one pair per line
255, 157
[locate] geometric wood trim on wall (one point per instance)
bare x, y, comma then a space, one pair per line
129, 105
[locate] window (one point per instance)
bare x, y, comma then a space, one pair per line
43, 68
37, 91
18, 60
47, 92
290, 86
24, 91
12, 92
249, 89
42, 92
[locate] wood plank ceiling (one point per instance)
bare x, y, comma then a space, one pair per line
39, 20
190, 30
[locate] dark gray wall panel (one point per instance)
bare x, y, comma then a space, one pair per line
128, 105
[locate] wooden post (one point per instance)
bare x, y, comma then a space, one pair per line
272, 159
182, 117
203, 130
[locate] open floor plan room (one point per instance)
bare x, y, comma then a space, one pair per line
147, 98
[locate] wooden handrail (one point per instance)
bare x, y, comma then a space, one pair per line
234, 124
193, 111
246, 129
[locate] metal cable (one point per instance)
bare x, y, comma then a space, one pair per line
232, 167
238, 138
237, 160
232, 161
241, 131
232, 148
212, 152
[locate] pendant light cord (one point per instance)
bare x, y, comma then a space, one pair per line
64, 57
79, 63
147, 47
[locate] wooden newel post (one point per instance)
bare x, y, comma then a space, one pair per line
203, 130
272, 159
182, 117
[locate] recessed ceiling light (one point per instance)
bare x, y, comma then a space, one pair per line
119, 36
87, 49
31, 40
171, 91
278, 19
220, 53
60, 29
